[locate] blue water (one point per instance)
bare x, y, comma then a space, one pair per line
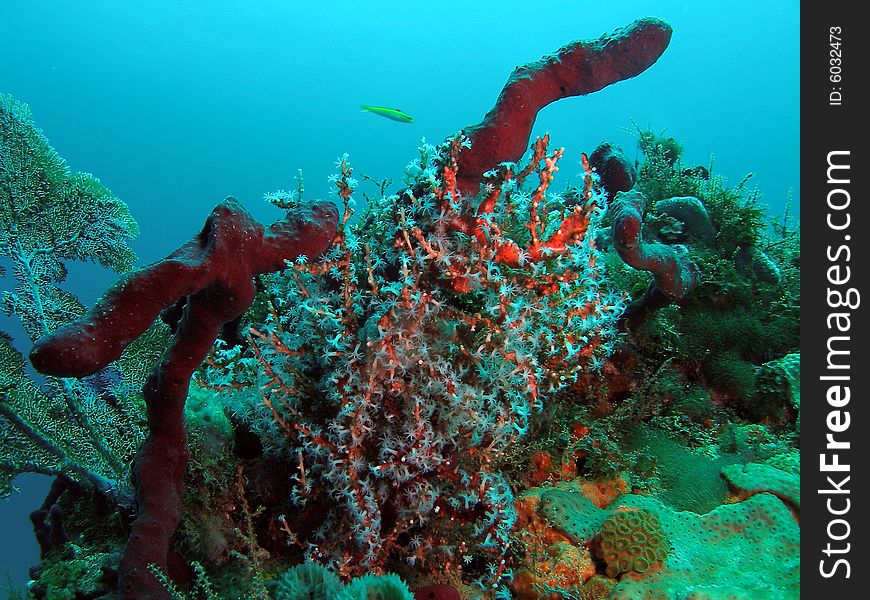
175, 105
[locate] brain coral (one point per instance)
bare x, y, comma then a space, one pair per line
632, 540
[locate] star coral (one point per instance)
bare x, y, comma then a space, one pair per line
632, 540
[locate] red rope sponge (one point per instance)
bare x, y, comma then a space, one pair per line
675, 273
214, 271
577, 69
216, 267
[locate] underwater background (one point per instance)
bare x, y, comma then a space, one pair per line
176, 105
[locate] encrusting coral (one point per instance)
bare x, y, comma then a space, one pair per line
742, 550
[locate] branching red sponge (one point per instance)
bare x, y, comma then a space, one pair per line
580, 68
675, 273
214, 271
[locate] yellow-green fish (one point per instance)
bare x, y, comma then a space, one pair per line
391, 113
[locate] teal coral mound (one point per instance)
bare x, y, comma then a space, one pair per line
312, 581
207, 422
308, 581
573, 513
376, 587
754, 478
789, 366
742, 551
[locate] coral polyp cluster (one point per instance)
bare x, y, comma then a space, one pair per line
397, 369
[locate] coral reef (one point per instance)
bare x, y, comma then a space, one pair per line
423, 380
697, 407
735, 320
744, 550
552, 557
480, 387
747, 549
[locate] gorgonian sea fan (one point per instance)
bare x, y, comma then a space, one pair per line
49, 215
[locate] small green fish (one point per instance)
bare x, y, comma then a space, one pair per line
391, 113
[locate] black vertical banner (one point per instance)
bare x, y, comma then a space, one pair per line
835, 368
